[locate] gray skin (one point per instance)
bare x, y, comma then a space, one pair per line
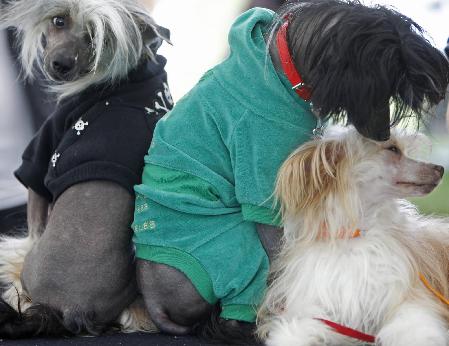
173, 302
68, 51
83, 261
38, 209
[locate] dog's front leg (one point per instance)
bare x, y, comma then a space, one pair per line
37, 214
270, 237
415, 323
287, 331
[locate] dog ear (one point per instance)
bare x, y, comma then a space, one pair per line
154, 35
372, 123
311, 173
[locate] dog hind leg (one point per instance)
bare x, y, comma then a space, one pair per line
176, 307
172, 301
17, 325
83, 264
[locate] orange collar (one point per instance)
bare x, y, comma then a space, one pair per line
342, 234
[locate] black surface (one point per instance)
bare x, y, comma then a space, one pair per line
137, 339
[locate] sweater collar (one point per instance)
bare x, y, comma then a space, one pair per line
250, 77
135, 88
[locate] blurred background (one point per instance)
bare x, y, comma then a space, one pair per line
199, 34
199, 30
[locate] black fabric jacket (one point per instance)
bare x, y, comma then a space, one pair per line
101, 134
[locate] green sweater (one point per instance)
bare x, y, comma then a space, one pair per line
211, 170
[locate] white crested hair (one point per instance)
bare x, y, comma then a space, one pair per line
353, 251
114, 26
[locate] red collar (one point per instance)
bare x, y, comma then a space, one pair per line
352, 333
288, 66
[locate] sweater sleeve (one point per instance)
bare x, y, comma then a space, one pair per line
254, 178
111, 148
259, 147
37, 156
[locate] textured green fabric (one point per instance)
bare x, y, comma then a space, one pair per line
260, 215
185, 262
213, 162
224, 246
239, 312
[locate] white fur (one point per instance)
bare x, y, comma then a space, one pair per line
12, 256
369, 283
112, 24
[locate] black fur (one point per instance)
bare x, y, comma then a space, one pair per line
358, 60
41, 320
229, 332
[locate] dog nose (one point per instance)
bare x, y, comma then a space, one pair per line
439, 169
63, 65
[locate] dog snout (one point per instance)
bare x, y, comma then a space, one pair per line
440, 170
63, 65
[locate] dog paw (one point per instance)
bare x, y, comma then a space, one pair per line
418, 337
303, 332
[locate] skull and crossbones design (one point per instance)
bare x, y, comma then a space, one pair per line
55, 158
80, 126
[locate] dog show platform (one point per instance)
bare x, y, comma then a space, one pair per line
137, 339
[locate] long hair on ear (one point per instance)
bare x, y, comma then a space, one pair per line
317, 199
358, 59
115, 28
315, 187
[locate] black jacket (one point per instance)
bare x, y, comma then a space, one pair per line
101, 134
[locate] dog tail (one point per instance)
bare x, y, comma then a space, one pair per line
42, 320
229, 332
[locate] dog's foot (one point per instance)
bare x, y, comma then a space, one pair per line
414, 326
232, 332
418, 336
303, 332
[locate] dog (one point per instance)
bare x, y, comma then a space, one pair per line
75, 271
355, 254
204, 223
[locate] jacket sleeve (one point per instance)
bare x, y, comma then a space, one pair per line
259, 147
111, 148
37, 156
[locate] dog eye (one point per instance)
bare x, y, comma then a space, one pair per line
394, 149
59, 22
